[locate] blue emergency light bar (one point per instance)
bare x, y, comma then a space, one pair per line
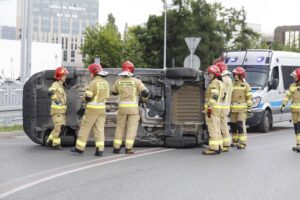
260, 59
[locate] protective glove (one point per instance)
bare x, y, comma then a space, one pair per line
282, 108
208, 112
81, 111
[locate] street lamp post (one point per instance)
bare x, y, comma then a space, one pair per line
11, 68
165, 36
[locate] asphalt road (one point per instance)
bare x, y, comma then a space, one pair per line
267, 169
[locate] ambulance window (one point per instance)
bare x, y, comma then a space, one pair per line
286, 76
275, 75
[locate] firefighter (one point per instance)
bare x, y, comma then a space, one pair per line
58, 110
128, 88
213, 98
225, 74
241, 103
294, 94
93, 119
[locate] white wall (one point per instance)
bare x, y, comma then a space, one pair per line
44, 56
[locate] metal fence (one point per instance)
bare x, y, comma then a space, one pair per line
11, 97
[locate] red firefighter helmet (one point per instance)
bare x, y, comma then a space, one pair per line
59, 72
296, 73
222, 66
239, 71
127, 69
96, 68
214, 70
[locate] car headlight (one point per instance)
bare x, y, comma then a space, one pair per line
256, 102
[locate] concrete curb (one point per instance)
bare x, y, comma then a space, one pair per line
11, 134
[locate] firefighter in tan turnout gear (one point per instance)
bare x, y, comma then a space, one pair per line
294, 94
93, 119
128, 88
58, 108
213, 98
241, 103
227, 83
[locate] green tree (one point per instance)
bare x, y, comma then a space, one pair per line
104, 42
132, 49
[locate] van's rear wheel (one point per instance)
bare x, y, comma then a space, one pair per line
266, 122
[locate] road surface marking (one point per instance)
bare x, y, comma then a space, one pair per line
75, 168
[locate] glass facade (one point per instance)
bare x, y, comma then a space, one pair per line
64, 11
64, 21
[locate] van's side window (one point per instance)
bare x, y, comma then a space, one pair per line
286, 76
275, 75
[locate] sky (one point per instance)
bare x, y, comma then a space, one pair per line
268, 13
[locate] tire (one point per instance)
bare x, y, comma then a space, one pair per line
180, 142
179, 72
266, 122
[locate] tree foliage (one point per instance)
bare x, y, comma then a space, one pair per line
104, 42
219, 28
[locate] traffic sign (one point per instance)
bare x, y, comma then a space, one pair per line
192, 43
192, 62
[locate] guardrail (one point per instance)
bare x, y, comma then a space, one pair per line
11, 97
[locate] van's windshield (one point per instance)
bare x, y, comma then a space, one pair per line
257, 75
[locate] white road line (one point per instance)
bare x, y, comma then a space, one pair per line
25, 186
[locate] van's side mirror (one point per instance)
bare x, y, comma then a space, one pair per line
273, 84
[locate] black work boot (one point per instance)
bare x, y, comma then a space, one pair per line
296, 148
129, 151
98, 153
241, 146
75, 150
116, 151
49, 143
57, 147
225, 149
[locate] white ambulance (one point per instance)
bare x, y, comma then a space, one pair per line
268, 73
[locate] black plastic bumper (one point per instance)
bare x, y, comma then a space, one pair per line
256, 118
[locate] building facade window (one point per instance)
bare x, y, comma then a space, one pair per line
72, 54
65, 56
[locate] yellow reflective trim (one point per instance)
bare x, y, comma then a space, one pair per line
94, 106
214, 142
238, 88
50, 137
80, 143
58, 107
285, 99
117, 141
235, 137
100, 144
238, 106
224, 107
243, 137
128, 141
249, 94
293, 106
226, 139
128, 105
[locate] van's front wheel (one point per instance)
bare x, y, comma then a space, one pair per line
266, 122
